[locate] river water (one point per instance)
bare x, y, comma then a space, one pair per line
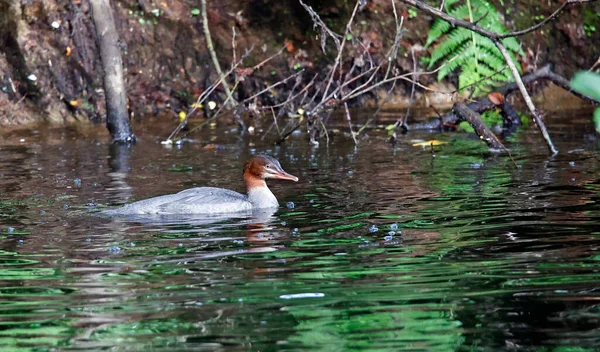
377, 248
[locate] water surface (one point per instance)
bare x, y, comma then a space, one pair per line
378, 248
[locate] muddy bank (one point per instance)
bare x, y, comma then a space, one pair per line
50, 69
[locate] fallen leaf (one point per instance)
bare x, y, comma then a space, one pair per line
429, 143
496, 98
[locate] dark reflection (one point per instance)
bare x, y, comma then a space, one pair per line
118, 189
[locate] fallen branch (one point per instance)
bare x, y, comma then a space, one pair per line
474, 119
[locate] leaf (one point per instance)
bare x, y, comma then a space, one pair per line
429, 143
587, 83
480, 64
496, 98
195, 12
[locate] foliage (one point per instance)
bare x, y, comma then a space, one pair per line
588, 83
480, 63
490, 117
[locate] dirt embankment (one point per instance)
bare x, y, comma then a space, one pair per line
50, 68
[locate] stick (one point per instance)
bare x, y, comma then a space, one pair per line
474, 119
213, 54
350, 123
526, 96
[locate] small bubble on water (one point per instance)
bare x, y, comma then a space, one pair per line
77, 182
20, 242
388, 238
114, 250
65, 206
283, 223
391, 233
373, 228
180, 245
132, 244
394, 227
42, 212
10, 229
571, 163
92, 204
263, 322
260, 235
291, 205
88, 239
311, 201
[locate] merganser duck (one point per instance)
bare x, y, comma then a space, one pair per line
212, 200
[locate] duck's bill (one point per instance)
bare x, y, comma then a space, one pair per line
282, 175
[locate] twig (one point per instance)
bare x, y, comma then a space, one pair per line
233, 44
273, 86
350, 123
325, 130
292, 98
341, 50
259, 65
526, 96
275, 121
401, 121
201, 99
213, 54
324, 29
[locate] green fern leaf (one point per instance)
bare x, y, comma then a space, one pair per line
480, 64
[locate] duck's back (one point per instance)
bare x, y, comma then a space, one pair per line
200, 200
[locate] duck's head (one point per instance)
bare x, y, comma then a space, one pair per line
263, 167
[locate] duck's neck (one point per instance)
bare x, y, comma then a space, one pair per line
258, 193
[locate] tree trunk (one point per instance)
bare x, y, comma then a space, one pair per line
117, 120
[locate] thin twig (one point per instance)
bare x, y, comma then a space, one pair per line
213, 54
273, 86
259, 65
350, 123
526, 96
340, 50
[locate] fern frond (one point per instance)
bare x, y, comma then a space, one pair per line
479, 61
439, 28
453, 41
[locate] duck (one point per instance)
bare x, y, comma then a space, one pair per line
212, 200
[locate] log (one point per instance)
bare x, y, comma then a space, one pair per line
117, 120
474, 119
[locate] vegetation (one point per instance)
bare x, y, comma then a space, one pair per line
479, 61
588, 83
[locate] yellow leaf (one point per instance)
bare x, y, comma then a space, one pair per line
212, 105
182, 116
428, 143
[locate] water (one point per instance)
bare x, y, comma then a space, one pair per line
385, 248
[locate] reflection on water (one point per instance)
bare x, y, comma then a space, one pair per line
383, 248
